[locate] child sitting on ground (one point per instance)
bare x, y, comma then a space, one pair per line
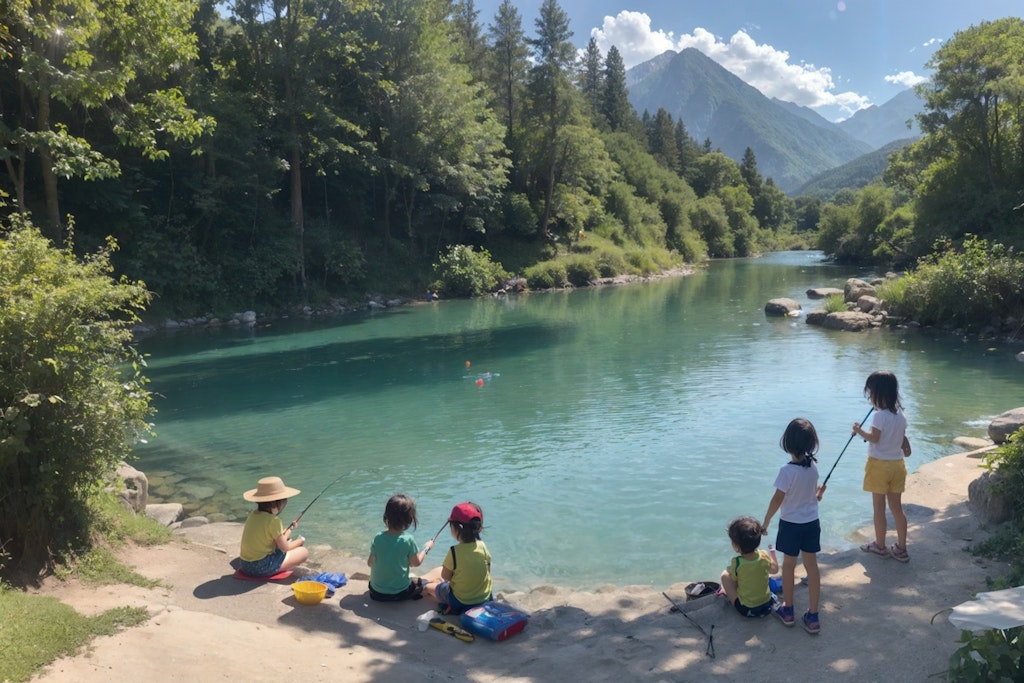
745, 581
266, 548
464, 580
393, 551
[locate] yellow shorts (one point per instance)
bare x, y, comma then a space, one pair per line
885, 476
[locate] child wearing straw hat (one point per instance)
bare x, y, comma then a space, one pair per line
266, 547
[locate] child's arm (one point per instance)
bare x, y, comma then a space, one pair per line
773, 507
286, 544
773, 567
417, 559
871, 437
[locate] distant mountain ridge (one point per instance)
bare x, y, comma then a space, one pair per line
792, 144
855, 174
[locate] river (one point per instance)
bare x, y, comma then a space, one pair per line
609, 434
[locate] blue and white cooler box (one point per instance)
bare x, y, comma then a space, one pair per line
494, 620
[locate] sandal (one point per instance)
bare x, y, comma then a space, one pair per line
875, 549
899, 553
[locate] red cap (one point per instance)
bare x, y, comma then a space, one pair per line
463, 513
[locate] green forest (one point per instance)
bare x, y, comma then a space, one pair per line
271, 154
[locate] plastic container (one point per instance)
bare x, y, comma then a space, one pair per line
494, 620
423, 620
775, 584
309, 592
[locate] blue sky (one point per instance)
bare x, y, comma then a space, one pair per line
835, 56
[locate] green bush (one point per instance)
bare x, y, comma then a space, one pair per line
72, 396
998, 655
547, 275
611, 263
465, 272
970, 287
581, 271
992, 655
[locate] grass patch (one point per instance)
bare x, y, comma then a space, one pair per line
834, 303
116, 524
36, 630
99, 566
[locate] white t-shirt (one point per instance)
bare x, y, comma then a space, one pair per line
800, 484
893, 426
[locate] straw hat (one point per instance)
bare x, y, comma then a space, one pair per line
269, 489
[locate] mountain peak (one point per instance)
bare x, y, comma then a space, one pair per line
714, 103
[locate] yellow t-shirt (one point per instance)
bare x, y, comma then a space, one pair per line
471, 574
259, 537
751, 577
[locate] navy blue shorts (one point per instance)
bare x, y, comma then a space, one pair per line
793, 539
268, 566
754, 612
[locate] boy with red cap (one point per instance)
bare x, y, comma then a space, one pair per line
464, 579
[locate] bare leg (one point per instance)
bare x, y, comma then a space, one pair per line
878, 505
430, 581
813, 581
729, 586
895, 501
788, 576
293, 558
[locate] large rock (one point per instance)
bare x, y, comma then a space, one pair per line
991, 506
849, 321
855, 289
165, 513
782, 307
1006, 424
132, 487
868, 303
822, 292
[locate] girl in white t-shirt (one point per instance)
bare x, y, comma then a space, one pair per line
885, 474
799, 533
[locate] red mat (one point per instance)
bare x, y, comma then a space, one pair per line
239, 574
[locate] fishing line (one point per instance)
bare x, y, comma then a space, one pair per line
852, 434
296, 522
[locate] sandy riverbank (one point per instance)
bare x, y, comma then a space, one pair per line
878, 619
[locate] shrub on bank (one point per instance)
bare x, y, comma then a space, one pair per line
998, 655
462, 271
72, 396
977, 285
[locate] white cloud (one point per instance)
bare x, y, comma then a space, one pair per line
631, 34
908, 79
762, 66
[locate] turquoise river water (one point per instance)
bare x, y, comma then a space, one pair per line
614, 434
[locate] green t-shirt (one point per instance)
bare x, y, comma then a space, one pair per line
751, 578
391, 552
259, 537
471, 574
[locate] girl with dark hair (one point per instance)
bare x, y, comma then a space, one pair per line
799, 532
885, 473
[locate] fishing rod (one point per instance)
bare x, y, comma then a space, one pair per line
296, 522
844, 447
710, 649
434, 539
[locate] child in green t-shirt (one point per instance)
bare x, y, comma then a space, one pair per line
745, 581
